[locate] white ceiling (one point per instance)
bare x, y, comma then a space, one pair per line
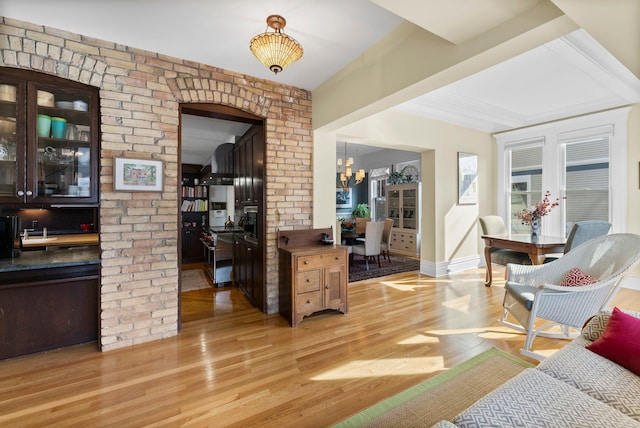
566, 77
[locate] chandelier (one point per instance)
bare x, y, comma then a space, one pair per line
347, 180
275, 49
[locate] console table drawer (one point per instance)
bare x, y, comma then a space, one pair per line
308, 281
309, 302
321, 260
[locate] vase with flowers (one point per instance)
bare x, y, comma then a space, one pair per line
533, 214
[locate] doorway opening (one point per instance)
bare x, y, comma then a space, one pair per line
206, 200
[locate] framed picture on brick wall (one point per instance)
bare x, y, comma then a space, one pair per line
138, 175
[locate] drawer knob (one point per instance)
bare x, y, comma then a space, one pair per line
308, 280
326, 286
308, 301
306, 262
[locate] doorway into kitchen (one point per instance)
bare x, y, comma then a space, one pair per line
207, 214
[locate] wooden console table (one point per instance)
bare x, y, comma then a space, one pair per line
313, 275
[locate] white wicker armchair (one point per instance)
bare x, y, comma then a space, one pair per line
534, 292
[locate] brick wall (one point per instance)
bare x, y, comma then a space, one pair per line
140, 93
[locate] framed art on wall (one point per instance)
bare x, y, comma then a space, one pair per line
140, 175
344, 199
467, 178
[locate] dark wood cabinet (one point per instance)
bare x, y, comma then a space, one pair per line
43, 309
249, 262
249, 164
192, 248
49, 139
248, 270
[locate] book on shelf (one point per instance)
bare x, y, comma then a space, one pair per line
196, 205
194, 192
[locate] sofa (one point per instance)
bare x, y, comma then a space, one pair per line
575, 387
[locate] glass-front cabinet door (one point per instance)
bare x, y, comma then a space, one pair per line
56, 141
393, 206
409, 209
12, 138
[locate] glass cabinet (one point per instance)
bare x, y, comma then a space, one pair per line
403, 205
49, 139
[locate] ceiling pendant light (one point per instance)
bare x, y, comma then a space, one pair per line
276, 50
347, 180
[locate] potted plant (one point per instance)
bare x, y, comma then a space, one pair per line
397, 178
362, 211
347, 224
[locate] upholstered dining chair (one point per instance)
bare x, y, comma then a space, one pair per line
568, 291
581, 232
494, 225
372, 241
386, 238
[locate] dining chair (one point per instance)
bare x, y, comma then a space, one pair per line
386, 238
567, 291
372, 241
494, 225
361, 224
581, 232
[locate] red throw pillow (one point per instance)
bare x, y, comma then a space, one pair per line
620, 341
575, 278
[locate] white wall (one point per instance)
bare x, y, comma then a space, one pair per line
450, 237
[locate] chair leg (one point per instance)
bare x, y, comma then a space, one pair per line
379, 265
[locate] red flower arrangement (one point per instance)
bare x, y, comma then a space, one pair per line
535, 212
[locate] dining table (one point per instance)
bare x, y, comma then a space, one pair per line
536, 246
351, 238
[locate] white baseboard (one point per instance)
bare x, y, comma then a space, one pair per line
631, 282
445, 268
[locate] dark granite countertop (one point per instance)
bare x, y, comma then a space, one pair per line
28, 260
223, 230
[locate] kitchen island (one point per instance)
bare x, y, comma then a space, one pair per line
48, 300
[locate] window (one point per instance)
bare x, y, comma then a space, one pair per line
526, 181
583, 159
586, 180
378, 181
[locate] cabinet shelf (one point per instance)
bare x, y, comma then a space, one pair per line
62, 143
77, 117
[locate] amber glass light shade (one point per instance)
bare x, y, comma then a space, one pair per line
276, 50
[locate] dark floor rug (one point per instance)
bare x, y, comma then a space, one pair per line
358, 271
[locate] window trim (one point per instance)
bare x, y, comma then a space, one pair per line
553, 136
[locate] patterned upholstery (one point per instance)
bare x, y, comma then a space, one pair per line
614, 385
573, 388
534, 399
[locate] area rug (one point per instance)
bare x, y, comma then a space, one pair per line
194, 279
443, 396
358, 270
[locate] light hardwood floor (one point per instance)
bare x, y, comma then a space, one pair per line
243, 368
